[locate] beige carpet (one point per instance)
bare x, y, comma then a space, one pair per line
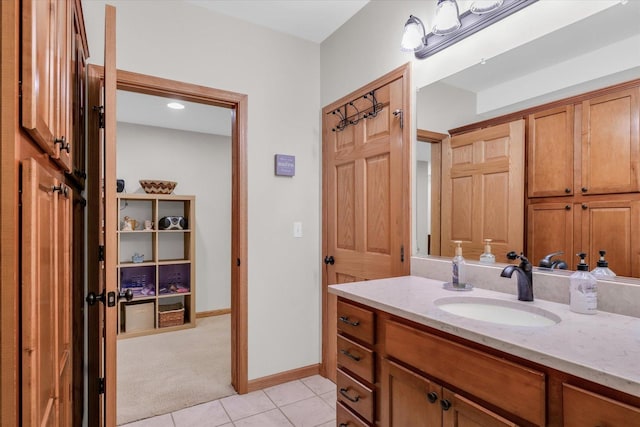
162, 373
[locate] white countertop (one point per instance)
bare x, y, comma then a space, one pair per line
603, 348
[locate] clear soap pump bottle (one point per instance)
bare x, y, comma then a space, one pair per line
458, 275
602, 269
583, 289
487, 257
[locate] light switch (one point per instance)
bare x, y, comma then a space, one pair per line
297, 229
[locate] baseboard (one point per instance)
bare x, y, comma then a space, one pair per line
212, 313
283, 377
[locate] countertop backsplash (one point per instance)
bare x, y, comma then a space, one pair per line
620, 295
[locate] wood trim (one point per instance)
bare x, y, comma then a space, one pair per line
9, 201
554, 104
430, 136
283, 377
213, 313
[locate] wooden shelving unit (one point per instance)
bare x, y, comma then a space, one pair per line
157, 264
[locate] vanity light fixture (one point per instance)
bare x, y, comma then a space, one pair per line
446, 30
175, 106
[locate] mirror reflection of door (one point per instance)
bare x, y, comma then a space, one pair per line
163, 367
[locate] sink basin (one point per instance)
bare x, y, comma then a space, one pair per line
498, 311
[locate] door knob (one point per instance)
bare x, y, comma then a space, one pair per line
329, 260
93, 298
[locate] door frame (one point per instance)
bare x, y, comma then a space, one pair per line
238, 104
404, 72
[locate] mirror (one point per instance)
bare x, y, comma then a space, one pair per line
590, 54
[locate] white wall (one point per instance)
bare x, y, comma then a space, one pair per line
201, 165
441, 107
281, 76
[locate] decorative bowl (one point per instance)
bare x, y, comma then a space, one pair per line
154, 186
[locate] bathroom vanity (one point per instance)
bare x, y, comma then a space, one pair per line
405, 359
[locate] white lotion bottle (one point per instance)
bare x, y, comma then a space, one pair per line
583, 289
458, 274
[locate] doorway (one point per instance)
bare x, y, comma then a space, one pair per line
236, 104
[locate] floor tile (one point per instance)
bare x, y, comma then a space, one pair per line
319, 384
331, 423
273, 418
204, 415
245, 405
330, 398
159, 421
309, 413
290, 392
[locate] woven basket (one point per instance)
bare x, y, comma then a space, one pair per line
170, 318
154, 186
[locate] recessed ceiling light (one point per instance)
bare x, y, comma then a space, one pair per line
175, 106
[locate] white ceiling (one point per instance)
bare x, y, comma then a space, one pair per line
312, 20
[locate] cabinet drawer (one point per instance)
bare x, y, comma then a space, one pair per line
355, 358
514, 388
346, 418
584, 408
356, 321
355, 395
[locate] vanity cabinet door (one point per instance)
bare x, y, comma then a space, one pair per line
610, 143
550, 152
550, 229
408, 399
461, 412
584, 408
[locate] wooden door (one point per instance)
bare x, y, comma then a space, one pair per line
39, 312
611, 143
550, 152
459, 411
483, 191
611, 226
550, 229
408, 399
365, 191
40, 76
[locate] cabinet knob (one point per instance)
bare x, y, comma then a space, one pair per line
445, 404
432, 396
567, 190
343, 391
584, 189
584, 207
567, 207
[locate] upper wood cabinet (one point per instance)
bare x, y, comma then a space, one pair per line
550, 152
610, 149
46, 75
550, 229
483, 190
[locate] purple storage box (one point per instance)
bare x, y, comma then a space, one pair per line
174, 279
141, 280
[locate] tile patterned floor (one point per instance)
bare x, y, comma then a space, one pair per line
309, 402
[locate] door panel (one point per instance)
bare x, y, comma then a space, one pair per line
365, 205
39, 311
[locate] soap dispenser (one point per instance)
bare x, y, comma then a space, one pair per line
583, 290
487, 257
602, 270
458, 274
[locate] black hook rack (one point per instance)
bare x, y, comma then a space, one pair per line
347, 119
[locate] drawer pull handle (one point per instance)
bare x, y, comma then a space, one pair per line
345, 319
343, 391
432, 396
446, 405
350, 356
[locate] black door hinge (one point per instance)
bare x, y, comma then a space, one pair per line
100, 110
238, 262
101, 253
101, 385
402, 253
